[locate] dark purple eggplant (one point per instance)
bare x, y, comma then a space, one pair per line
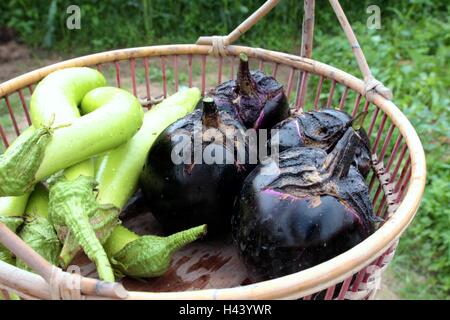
195, 191
254, 98
307, 208
323, 129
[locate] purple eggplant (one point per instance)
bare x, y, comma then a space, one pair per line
303, 210
323, 129
254, 98
185, 188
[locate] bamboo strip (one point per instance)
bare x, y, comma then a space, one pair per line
44, 269
244, 26
306, 47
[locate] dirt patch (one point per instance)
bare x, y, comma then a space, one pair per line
16, 59
11, 51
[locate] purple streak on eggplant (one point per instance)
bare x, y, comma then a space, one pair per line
255, 99
323, 129
184, 195
308, 208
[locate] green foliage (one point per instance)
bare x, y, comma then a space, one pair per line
410, 54
117, 23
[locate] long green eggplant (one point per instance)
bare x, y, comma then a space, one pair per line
119, 170
59, 138
111, 125
57, 97
118, 174
11, 214
74, 210
37, 231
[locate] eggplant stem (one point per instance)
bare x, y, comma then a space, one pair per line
210, 116
245, 83
183, 238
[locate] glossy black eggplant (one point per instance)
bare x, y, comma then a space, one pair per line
322, 129
195, 170
307, 208
254, 98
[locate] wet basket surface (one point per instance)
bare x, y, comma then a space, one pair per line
213, 270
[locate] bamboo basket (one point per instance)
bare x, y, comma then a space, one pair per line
396, 182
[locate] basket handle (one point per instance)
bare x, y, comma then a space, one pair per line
59, 281
219, 42
372, 86
306, 49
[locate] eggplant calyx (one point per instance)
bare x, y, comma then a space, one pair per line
245, 83
103, 222
149, 256
19, 164
71, 204
358, 121
339, 160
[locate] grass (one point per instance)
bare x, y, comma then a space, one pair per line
409, 54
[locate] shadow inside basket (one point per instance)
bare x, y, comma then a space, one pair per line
203, 264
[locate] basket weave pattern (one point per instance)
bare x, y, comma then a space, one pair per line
396, 182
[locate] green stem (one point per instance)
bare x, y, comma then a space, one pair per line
180, 239
147, 256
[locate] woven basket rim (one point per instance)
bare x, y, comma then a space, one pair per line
329, 272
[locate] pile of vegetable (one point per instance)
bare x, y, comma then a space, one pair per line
80, 161
65, 180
